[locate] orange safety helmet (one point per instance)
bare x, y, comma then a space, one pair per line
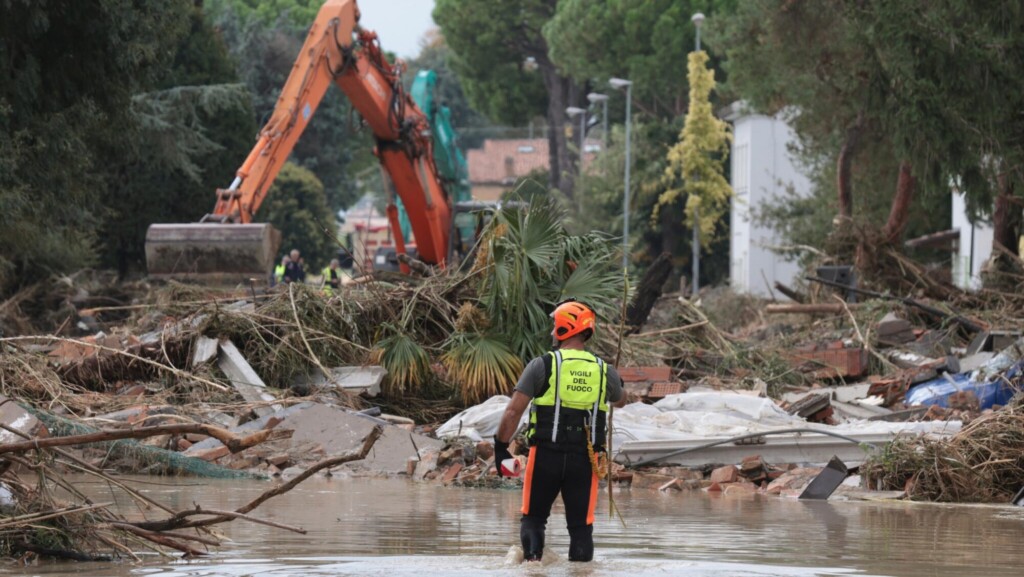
572, 317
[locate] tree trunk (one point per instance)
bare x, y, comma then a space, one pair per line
559, 89
846, 154
900, 211
647, 292
1006, 218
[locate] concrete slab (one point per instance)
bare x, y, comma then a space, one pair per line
339, 431
244, 379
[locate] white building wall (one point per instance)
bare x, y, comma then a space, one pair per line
762, 170
974, 248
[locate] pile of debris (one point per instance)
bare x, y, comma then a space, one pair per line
44, 514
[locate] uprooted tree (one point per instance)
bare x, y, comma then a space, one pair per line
901, 101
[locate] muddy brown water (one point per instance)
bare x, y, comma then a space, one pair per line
396, 528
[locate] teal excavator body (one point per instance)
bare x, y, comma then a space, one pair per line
448, 158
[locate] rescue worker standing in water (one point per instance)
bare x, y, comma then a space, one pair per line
570, 389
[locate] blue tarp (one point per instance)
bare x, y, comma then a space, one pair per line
993, 384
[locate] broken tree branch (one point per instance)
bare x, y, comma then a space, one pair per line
225, 515
807, 309
233, 442
181, 519
672, 330
940, 314
44, 515
302, 334
81, 465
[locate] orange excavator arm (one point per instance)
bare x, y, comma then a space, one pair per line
331, 55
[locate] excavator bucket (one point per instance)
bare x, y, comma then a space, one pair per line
212, 253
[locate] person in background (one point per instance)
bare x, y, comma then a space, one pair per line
278, 276
332, 277
293, 271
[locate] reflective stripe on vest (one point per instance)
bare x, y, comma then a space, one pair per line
575, 384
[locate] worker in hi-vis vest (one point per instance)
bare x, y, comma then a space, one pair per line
331, 277
279, 270
570, 389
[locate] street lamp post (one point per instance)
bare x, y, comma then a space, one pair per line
697, 19
573, 112
618, 84
594, 98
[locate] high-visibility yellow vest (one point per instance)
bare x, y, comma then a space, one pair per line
279, 273
573, 402
328, 289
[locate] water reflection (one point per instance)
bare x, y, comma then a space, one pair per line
394, 528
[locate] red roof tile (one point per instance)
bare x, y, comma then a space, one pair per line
504, 161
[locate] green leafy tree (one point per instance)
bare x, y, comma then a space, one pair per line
954, 95
70, 70
808, 57
187, 139
186, 142
813, 63
300, 13
297, 206
501, 56
641, 41
696, 163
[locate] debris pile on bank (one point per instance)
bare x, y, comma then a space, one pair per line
727, 393
984, 462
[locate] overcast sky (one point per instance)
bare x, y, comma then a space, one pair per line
400, 24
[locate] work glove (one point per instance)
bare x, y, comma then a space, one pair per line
500, 454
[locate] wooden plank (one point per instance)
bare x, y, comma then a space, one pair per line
244, 379
645, 374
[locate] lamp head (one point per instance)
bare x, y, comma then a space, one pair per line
595, 97
574, 111
697, 19
620, 83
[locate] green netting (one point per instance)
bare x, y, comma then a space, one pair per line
142, 458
